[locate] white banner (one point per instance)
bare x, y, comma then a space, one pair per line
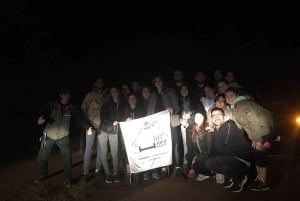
148, 142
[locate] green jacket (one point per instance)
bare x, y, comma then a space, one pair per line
256, 120
59, 118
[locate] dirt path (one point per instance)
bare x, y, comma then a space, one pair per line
16, 184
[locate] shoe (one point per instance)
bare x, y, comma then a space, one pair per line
155, 174
85, 178
253, 183
228, 182
238, 185
146, 176
163, 174
220, 178
116, 178
99, 173
40, 180
67, 184
185, 168
109, 179
136, 179
201, 177
178, 172
99, 170
258, 185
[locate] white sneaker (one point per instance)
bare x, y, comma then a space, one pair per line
220, 179
201, 177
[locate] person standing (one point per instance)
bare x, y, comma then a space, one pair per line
112, 112
165, 98
57, 116
91, 107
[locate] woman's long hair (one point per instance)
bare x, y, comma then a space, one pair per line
198, 132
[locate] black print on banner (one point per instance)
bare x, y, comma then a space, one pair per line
149, 137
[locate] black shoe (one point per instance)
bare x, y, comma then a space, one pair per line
100, 173
116, 178
40, 180
228, 183
109, 179
238, 184
136, 178
258, 185
163, 174
85, 178
156, 175
67, 184
147, 176
179, 172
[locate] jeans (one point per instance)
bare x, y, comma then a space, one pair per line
90, 141
64, 148
113, 140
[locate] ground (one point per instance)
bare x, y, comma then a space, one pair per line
17, 184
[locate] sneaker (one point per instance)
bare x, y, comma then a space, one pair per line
67, 184
116, 178
99, 173
155, 174
85, 178
136, 178
238, 185
98, 170
163, 174
109, 179
178, 172
201, 177
258, 185
146, 176
220, 178
228, 182
185, 168
40, 180
253, 183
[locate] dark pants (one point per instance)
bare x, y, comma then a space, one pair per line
192, 149
200, 165
228, 165
177, 146
64, 147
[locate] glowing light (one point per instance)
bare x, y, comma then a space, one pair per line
298, 120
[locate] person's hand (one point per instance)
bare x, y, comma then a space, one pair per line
129, 119
41, 120
257, 145
209, 129
115, 123
89, 131
170, 110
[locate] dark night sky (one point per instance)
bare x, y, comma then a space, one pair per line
46, 44
44, 37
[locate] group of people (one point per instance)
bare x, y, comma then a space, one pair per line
223, 132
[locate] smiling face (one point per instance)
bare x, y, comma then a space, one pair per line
230, 97
199, 118
217, 117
